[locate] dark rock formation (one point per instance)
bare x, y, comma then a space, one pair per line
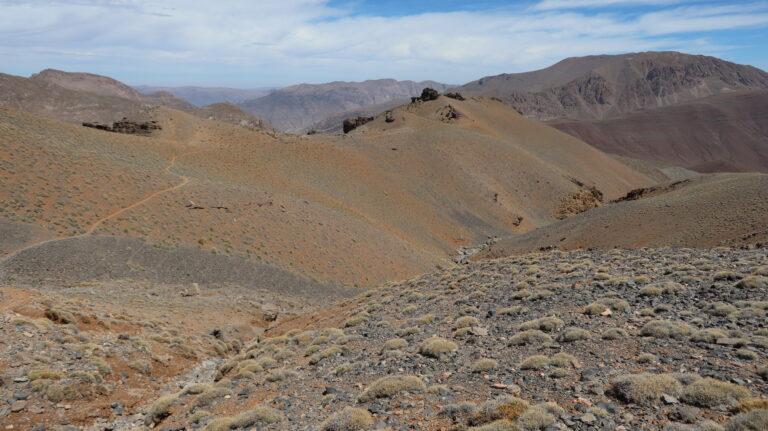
456, 96
126, 126
351, 124
429, 94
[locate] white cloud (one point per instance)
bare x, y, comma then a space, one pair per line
279, 42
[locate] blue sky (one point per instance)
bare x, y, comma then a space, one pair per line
260, 43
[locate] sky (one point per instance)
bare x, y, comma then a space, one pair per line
275, 43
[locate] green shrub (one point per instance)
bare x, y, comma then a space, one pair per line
535, 362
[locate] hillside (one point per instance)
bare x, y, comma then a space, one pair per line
387, 201
106, 86
670, 339
606, 86
202, 96
295, 108
83, 97
706, 211
725, 132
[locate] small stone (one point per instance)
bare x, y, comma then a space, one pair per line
669, 399
18, 406
588, 418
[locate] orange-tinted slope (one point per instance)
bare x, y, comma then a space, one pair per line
387, 201
706, 211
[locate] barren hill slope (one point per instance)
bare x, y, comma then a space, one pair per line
107, 86
83, 97
387, 201
300, 106
605, 86
706, 211
724, 132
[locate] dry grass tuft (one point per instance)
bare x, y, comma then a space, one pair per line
709, 392
389, 386
436, 346
349, 419
644, 388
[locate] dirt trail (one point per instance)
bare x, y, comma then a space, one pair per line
95, 225
171, 163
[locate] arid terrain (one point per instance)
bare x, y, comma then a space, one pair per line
429, 258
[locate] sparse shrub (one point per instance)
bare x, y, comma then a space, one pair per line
535, 362
465, 322
208, 397
546, 324
726, 276
454, 411
404, 332
141, 365
753, 282
349, 419
395, 344
650, 290
427, 318
708, 335
511, 311
389, 386
746, 354
160, 409
754, 420
436, 346
536, 418
720, 309
709, 392
500, 425
558, 373
43, 373
439, 390
530, 337
354, 321
615, 334
563, 359
709, 425
507, 408
483, 365
59, 316
260, 414
571, 334
666, 329
749, 404
647, 358
196, 388
644, 388
280, 375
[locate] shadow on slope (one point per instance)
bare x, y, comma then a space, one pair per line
102, 258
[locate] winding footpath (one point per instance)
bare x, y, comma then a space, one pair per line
95, 225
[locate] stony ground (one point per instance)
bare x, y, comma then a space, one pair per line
673, 339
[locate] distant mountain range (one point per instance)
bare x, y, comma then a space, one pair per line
202, 96
606, 86
299, 107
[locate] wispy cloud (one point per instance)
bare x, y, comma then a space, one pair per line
255, 43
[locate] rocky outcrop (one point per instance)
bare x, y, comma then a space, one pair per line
351, 124
126, 126
456, 96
